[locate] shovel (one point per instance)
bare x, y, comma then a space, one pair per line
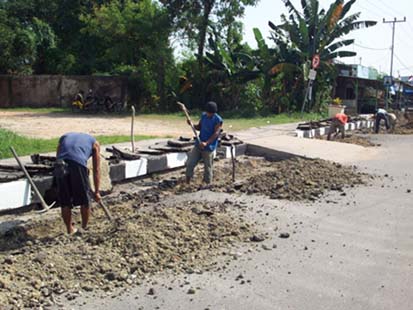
36, 191
106, 210
185, 110
233, 162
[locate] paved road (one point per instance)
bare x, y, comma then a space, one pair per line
345, 252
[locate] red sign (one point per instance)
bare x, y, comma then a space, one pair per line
316, 61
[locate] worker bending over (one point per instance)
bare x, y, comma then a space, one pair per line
390, 120
209, 127
72, 175
338, 122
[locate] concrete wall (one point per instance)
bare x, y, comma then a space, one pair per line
56, 90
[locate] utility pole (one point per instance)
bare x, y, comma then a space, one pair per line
392, 48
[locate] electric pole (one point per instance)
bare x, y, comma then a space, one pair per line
392, 48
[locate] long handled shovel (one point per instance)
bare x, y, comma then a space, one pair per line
233, 162
106, 210
132, 133
184, 109
36, 191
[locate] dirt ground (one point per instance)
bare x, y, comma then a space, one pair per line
353, 139
152, 234
53, 125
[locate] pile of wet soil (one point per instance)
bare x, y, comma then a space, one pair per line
39, 262
404, 125
292, 179
353, 139
405, 129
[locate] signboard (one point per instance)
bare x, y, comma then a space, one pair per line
388, 81
312, 75
316, 61
362, 72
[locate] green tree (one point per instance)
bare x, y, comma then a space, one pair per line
133, 38
193, 18
17, 46
317, 31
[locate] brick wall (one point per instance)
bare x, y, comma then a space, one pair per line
56, 90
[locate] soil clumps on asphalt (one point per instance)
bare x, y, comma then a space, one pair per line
353, 139
405, 129
40, 263
404, 124
292, 179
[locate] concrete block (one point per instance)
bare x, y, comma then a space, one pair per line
15, 194
240, 149
157, 163
225, 151
267, 153
136, 168
299, 133
117, 172
176, 160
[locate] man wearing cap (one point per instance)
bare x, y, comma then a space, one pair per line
209, 127
72, 177
338, 122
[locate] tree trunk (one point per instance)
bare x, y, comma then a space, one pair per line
161, 82
209, 4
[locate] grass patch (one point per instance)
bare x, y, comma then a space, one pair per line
35, 110
27, 146
235, 123
259, 121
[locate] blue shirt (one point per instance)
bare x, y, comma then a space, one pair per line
208, 129
77, 147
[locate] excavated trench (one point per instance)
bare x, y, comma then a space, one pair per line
154, 233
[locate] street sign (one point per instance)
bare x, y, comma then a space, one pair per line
312, 75
387, 81
316, 61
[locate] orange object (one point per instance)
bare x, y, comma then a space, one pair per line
342, 118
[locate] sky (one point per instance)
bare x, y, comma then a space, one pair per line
372, 45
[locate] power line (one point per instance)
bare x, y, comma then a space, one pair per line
372, 48
394, 22
390, 8
380, 16
407, 68
384, 12
379, 60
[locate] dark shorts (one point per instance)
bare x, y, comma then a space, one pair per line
73, 189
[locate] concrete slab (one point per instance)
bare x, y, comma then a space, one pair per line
15, 194
311, 148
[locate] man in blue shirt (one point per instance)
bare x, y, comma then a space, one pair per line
209, 126
72, 175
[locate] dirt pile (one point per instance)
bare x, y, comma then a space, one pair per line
292, 179
405, 129
301, 179
39, 263
404, 124
354, 139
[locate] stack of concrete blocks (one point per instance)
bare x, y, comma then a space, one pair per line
157, 163
313, 133
18, 193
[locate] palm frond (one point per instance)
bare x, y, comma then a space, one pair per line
347, 7
341, 54
291, 8
338, 45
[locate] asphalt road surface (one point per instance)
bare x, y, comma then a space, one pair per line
344, 252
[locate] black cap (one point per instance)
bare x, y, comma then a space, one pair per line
211, 107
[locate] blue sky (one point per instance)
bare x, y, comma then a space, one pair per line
372, 44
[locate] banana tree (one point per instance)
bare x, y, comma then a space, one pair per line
314, 31
229, 71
